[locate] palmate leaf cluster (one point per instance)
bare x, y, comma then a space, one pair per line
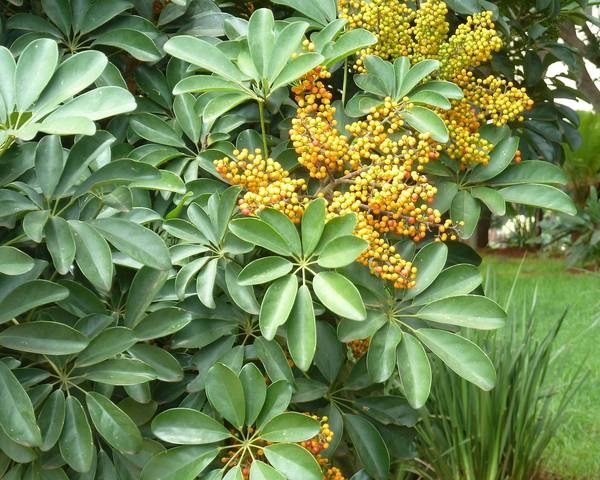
147, 328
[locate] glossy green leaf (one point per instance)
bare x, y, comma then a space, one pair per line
127, 236
49, 163
425, 121
296, 68
417, 73
287, 42
313, 223
381, 357
153, 128
261, 471
14, 262
46, 338
302, 330
273, 359
242, 295
51, 419
290, 427
284, 226
35, 67
165, 365
113, 424
473, 311
16, 411
119, 371
186, 116
181, 463
261, 40
491, 198
28, 296
76, 443
277, 304
347, 44
184, 426
415, 371
339, 295
255, 391
259, 233
293, 461
205, 283
369, 445
500, 157
139, 45
530, 171
460, 355
342, 251
465, 209
93, 255
107, 344
60, 243
456, 280
146, 284
542, 196
162, 323
226, 394
264, 270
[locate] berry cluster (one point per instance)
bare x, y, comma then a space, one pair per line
320, 441
389, 21
425, 34
359, 348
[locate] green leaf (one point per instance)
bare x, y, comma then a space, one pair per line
335, 228
34, 223
119, 371
186, 116
288, 41
466, 209
261, 41
339, 295
221, 104
261, 471
226, 394
83, 152
313, 223
94, 105
425, 121
76, 443
296, 68
185, 275
273, 359
331, 354
107, 344
127, 237
284, 226
290, 427
381, 357
302, 330
242, 295
205, 83
321, 11
145, 286
165, 365
14, 262
491, 198
432, 99
162, 323
369, 446
118, 172
259, 233
349, 330
16, 411
205, 283
348, 43
415, 371
429, 262
417, 73
184, 426
342, 251
456, 280
293, 461
113, 424
28, 296
154, 129
531, 171
34, 70
49, 163
460, 355
264, 270
204, 55
93, 255
473, 311
542, 196
45, 338
279, 395
51, 419
181, 463
277, 305
442, 87
255, 391
139, 45
500, 158
60, 243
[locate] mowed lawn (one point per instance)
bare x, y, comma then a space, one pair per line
575, 452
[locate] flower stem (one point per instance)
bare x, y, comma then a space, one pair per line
261, 112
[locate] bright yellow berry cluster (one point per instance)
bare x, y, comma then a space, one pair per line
322, 439
425, 34
389, 21
267, 184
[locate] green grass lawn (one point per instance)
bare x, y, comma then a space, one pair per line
575, 452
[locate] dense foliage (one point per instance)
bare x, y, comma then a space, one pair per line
230, 235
